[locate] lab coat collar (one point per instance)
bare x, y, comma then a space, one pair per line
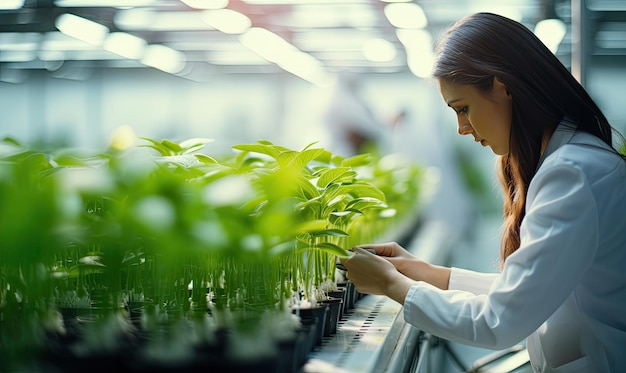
561, 136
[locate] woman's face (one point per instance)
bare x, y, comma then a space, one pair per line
484, 115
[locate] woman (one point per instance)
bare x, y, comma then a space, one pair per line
562, 281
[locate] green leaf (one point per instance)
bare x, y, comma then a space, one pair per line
156, 145
341, 213
312, 226
336, 159
362, 190
333, 232
193, 142
304, 157
307, 189
310, 145
285, 157
69, 160
192, 149
304, 204
174, 147
336, 200
363, 203
10, 140
266, 149
186, 161
333, 249
205, 159
330, 175
357, 160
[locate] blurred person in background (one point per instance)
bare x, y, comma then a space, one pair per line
350, 123
561, 284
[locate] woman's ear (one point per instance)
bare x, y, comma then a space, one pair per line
499, 87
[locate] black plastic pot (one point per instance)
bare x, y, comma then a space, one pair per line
306, 339
340, 293
332, 316
351, 296
317, 312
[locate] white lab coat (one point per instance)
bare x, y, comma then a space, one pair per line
565, 287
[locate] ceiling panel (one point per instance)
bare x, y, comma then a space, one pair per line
339, 35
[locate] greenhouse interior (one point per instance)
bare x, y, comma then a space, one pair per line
176, 193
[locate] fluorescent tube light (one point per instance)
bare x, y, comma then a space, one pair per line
227, 21
102, 3
406, 15
550, 32
125, 45
164, 58
81, 28
11, 4
206, 4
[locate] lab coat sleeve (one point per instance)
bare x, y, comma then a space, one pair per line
559, 238
474, 282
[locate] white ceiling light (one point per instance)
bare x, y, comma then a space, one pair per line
227, 21
275, 49
131, 19
265, 43
206, 4
81, 28
406, 15
419, 51
58, 41
550, 32
379, 50
305, 66
144, 19
102, 3
296, 2
125, 45
164, 58
11, 4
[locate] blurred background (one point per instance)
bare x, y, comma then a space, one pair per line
352, 75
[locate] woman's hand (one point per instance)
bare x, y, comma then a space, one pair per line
410, 266
404, 261
372, 274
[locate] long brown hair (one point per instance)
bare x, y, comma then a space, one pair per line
483, 46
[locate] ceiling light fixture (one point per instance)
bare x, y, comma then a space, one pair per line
125, 45
406, 15
11, 4
81, 28
550, 32
301, 2
275, 49
227, 21
206, 4
102, 3
419, 51
164, 58
144, 19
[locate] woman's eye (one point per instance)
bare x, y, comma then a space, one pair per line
462, 110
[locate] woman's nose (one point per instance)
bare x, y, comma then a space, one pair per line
464, 128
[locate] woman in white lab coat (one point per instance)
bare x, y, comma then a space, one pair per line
562, 282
